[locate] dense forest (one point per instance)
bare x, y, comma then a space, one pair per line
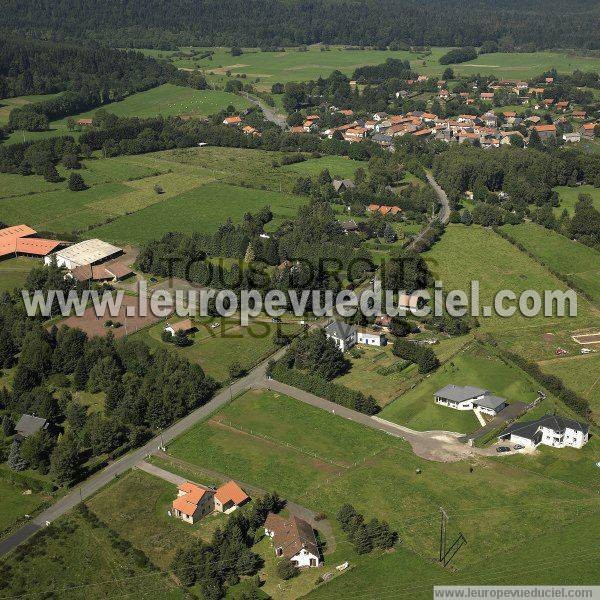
88, 74
156, 23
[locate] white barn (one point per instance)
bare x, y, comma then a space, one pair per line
88, 252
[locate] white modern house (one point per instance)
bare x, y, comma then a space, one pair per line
468, 397
345, 336
550, 430
293, 539
370, 337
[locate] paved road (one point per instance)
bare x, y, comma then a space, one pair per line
442, 216
509, 413
120, 466
269, 112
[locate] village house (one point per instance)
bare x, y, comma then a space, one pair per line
196, 501
185, 326
545, 131
588, 130
193, 502
343, 334
470, 398
236, 120
550, 430
84, 122
28, 425
342, 184
293, 539
370, 337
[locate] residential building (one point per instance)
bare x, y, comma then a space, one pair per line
186, 326
232, 120
545, 131
370, 337
460, 397
193, 502
28, 425
293, 539
550, 430
491, 405
344, 335
342, 184
229, 496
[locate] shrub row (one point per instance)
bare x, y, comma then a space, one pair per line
321, 387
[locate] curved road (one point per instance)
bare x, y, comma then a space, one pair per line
269, 112
441, 446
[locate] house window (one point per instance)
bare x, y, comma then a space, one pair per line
313, 562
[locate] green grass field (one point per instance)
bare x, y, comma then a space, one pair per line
368, 372
466, 254
474, 365
201, 209
7, 104
74, 560
14, 271
580, 263
569, 195
275, 442
339, 167
580, 374
15, 504
270, 67
121, 187
216, 349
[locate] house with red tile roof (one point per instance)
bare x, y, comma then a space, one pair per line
193, 502
232, 120
229, 496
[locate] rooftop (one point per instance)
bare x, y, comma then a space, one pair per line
231, 491
292, 535
88, 252
29, 424
460, 393
339, 330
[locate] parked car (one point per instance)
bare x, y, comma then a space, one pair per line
502, 449
518, 447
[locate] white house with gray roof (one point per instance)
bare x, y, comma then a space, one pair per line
468, 397
550, 430
343, 334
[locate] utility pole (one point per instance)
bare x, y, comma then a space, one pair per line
443, 523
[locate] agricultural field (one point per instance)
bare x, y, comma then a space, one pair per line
202, 209
14, 271
339, 167
466, 254
73, 559
580, 374
580, 263
175, 181
216, 349
476, 365
320, 461
568, 197
292, 65
377, 372
7, 104
168, 100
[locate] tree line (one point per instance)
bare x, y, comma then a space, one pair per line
508, 24
88, 75
143, 391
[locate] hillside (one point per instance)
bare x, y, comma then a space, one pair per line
158, 24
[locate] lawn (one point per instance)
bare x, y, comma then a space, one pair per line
216, 349
580, 263
157, 534
14, 271
474, 365
200, 209
569, 195
338, 166
379, 373
467, 254
72, 559
15, 504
